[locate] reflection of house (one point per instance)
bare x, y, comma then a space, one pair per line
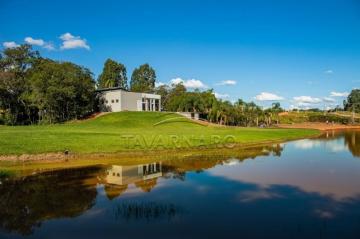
123, 175
118, 99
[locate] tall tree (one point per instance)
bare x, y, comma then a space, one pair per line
353, 101
14, 85
113, 75
163, 90
143, 79
61, 90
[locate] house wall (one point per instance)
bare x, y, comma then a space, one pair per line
121, 100
112, 101
124, 175
130, 101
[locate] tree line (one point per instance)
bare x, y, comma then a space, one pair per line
35, 90
177, 98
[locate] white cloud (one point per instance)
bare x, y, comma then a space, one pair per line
339, 94
176, 81
191, 83
266, 96
32, 41
39, 42
329, 100
157, 84
49, 46
329, 72
72, 42
306, 100
221, 96
227, 82
66, 36
10, 44
303, 105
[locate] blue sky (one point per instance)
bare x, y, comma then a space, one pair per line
301, 53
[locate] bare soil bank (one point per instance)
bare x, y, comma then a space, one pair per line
318, 126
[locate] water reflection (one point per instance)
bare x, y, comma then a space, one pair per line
117, 178
149, 211
26, 202
322, 165
302, 189
351, 139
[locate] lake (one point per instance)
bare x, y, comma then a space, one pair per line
308, 188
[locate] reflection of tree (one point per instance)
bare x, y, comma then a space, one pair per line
113, 191
146, 185
277, 149
26, 202
352, 140
177, 168
146, 210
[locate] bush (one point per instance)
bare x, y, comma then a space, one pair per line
301, 117
329, 118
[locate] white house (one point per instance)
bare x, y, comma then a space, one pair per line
117, 99
124, 175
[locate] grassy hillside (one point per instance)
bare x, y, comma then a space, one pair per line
130, 131
301, 117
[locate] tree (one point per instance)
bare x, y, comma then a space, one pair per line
14, 85
113, 75
276, 109
164, 91
353, 101
61, 90
143, 79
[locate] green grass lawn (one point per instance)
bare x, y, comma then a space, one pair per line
129, 131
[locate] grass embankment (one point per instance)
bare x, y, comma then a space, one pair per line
131, 131
341, 117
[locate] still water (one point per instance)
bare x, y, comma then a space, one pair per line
303, 189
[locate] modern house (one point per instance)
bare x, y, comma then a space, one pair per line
117, 178
125, 175
118, 99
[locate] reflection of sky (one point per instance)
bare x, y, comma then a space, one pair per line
335, 145
319, 166
207, 206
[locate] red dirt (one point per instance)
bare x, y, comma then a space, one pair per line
318, 126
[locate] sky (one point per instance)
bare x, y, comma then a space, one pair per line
302, 54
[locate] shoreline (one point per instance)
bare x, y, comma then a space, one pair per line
318, 126
55, 158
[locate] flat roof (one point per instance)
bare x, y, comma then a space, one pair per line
111, 89
120, 88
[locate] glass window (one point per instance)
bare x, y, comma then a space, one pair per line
143, 104
117, 101
112, 101
157, 105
